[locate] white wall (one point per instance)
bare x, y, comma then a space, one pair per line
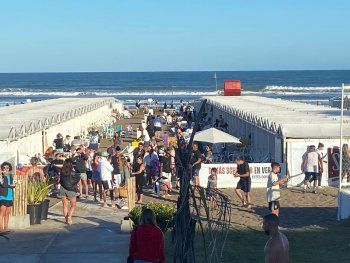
33, 144
295, 150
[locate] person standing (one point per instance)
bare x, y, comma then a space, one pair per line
244, 182
58, 143
208, 154
6, 195
116, 175
96, 176
80, 160
69, 180
138, 170
277, 247
94, 139
146, 240
138, 151
212, 187
150, 159
106, 170
137, 105
273, 192
67, 144
323, 154
311, 166
195, 163
165, 166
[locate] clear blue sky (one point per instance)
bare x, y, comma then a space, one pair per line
163, 35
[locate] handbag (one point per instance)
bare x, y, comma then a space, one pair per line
131, 259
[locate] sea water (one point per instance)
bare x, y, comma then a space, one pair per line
309, 86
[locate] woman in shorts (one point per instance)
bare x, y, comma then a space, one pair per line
69, 189
6, 195
96, 176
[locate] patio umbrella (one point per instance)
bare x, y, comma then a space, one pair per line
214, 135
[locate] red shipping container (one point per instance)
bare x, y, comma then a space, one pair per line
232, 88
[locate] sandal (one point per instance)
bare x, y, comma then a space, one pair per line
69, 221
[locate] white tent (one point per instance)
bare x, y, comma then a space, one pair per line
214, 135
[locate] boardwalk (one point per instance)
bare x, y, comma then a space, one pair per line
94, 236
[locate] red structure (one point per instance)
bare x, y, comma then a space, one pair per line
232, 88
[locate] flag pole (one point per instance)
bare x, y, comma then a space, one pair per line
216, 82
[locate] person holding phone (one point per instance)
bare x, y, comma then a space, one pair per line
6, 195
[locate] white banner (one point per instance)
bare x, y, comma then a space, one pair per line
258, 173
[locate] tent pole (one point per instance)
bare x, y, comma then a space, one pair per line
341, 149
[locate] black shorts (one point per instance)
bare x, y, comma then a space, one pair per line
274, 205
89, 175
7, 203
311, 175
107, 185
244, 185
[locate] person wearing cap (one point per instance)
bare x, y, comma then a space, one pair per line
106, 170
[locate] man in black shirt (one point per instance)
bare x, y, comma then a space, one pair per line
196, 161
116, 175
244, 182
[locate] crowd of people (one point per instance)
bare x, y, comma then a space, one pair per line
82, 170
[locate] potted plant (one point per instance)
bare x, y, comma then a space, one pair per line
45, 187
37, 192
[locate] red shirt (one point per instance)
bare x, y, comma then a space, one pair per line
149, 244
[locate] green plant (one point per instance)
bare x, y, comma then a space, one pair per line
37, 191
164, 214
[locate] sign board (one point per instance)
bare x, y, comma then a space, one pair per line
258, 173
333, 163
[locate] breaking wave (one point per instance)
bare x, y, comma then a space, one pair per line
291, 89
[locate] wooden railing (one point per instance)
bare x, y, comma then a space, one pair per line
20, 195
131, 183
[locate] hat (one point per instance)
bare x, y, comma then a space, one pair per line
104, 154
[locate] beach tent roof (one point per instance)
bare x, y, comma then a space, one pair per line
288, 118
21, 120
214, 135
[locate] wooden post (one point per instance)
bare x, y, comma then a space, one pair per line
20, 195
131, 182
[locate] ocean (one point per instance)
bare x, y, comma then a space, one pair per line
309, 86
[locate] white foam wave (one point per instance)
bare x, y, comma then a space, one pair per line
291, 89
29, 93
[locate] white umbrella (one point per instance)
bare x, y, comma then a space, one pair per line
214, 135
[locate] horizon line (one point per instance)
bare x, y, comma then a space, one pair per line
166, 71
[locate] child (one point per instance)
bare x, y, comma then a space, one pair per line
212, 186
273, 188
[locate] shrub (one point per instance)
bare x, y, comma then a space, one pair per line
164, 214
37, 191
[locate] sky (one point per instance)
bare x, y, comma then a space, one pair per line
178, 35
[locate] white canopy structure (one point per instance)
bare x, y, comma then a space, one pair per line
27, 129
280, 129
214, 135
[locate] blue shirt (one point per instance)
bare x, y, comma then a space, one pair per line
9, 192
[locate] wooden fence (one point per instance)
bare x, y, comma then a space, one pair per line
131, 192
20, 195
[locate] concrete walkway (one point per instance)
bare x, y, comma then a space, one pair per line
93, 237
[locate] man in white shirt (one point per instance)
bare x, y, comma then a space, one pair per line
149, 160
311, 166
273, 192
106, 170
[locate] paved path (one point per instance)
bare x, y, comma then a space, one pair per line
93, 237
